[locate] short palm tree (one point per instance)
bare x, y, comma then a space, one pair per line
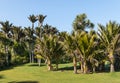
57, 51
86, 49
50, 49
109, 36
45, 50
71, 46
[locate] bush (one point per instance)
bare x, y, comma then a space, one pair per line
19, 60
2, 60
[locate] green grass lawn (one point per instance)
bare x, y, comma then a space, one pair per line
35, 74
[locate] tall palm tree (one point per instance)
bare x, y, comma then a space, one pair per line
81, 22
39, 30
33, 19
109, 36
6, 27
38, 33
29, 39
41, 18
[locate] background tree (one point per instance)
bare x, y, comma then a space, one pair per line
6, 27
18, 37
33, 19
29, 40
81, 22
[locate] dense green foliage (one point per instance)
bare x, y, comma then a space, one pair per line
93, 50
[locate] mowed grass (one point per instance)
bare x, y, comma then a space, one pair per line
33, 74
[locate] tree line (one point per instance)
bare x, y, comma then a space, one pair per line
88, 49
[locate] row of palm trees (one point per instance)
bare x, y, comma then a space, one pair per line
89, 48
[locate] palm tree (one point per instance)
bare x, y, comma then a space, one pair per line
41, 18
57, 50
39, 30
70, 45
33, 19
29, 39
109, 36
17, 33
18, 37
46, 30
50, 49
6, 27
81, 22
45, 50
49, 30
85, 48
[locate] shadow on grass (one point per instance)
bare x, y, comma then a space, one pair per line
36, 64
1, 76
24, 82
10, 67
68, 68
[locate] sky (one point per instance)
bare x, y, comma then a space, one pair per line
60, 13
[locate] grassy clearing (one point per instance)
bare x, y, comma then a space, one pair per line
33, 74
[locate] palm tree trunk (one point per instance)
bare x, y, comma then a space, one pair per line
32, 26
94, 69
75, 65
32, 54
82, 68
39, 61
112, 61
81, 65
6, 51
56, 66
85, 67
7, 59
14, 56
112, 67
49, 64
30, 58
46, 61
